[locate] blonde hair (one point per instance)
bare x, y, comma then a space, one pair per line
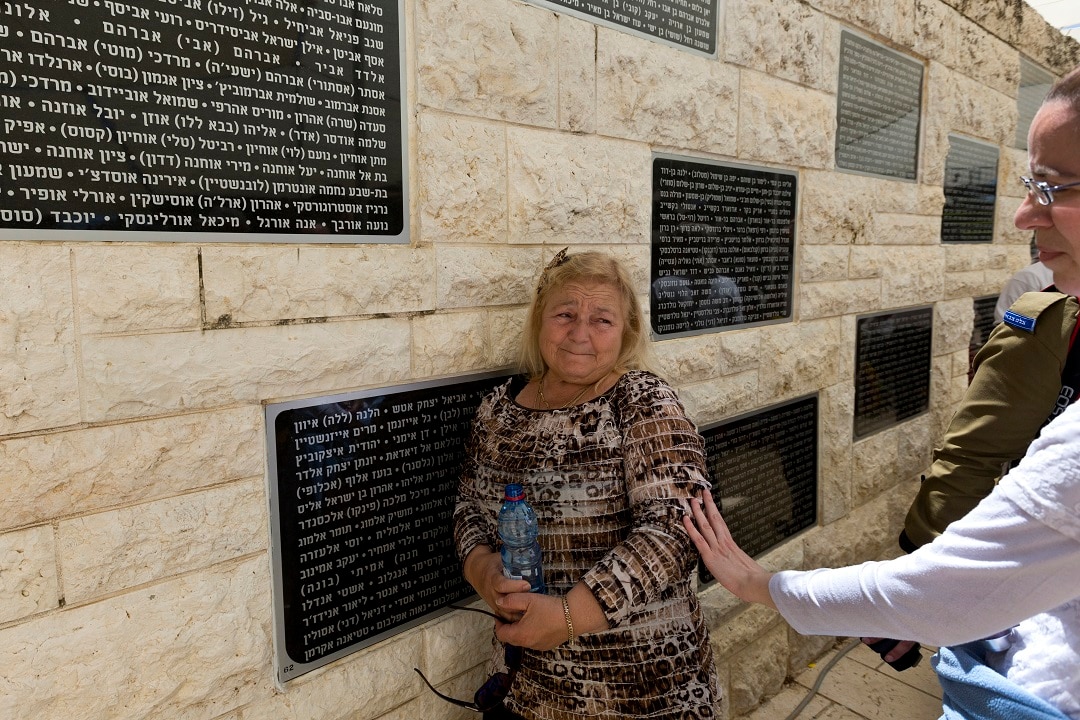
635, 353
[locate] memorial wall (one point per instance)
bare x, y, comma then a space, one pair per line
261, 260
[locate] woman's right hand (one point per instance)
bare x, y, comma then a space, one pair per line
483, 569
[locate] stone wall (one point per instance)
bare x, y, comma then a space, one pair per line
134, 563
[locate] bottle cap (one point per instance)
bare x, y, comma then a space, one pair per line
515, 491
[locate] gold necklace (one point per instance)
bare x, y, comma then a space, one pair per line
544, 402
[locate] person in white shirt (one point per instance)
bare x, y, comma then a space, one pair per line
1012, 564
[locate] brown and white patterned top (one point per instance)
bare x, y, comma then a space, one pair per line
609, 480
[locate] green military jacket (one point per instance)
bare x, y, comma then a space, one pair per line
1015, 386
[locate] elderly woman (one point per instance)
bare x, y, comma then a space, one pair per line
609, 460
1011, 564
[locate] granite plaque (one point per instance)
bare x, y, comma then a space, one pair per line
1034, 84
878, 107
892, 368
362, 490
685, 24
186, 119
970, 191
764, 470
723, 246
983, 325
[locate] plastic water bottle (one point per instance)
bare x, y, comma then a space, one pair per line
518, 532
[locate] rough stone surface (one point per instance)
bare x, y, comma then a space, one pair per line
124, 289
784, 40
93, 469
489, 59
119, 549
462, 168
577, 189
272, 284
143, 375
786, 124
28, 582
662, 96
38, 376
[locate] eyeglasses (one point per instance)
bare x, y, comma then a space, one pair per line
1044, 192
495, 688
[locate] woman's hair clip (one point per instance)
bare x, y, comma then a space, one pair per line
559, 259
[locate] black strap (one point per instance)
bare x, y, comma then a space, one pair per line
1070, 379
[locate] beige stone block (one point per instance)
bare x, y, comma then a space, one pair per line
912, 276
154, 374
891, 19
953, 321
1005, 226
915, 447
874, 462
803, 358
689, 359
783, 123
488, 58
363, 685
39, 385
957, 104
1012, 163
784, 40
450, 343
124, 288
574, 189
1041, 41
193, 647
28, 581
462, 171
962, 257
985, 58
759, 671
965, 284
836, 208
829, 299
110, 551
471, 277
859, 536
904, 229
822, 263
458, 640
712, 401
48, 476
577, 75
266, 284
937, 31
866, 261
664, 96
740, 351
507, 328
743, 629
836, 408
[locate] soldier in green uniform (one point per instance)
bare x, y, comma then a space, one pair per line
1015, 388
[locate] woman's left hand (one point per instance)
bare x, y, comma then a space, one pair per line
542, 625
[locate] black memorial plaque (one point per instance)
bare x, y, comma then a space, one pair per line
764, 470
723, 246
892, 368
981, 328
689, 24
970, 191
275, 117
1034, 84
362, 498
878, 109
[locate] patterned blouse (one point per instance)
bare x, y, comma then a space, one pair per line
609, 480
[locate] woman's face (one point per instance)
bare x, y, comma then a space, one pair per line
581, 332
1054, 157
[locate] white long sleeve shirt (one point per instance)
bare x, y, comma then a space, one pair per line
1013, 560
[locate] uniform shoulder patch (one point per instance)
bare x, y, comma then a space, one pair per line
1019, 321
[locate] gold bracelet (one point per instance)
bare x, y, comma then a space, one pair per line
569, 622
